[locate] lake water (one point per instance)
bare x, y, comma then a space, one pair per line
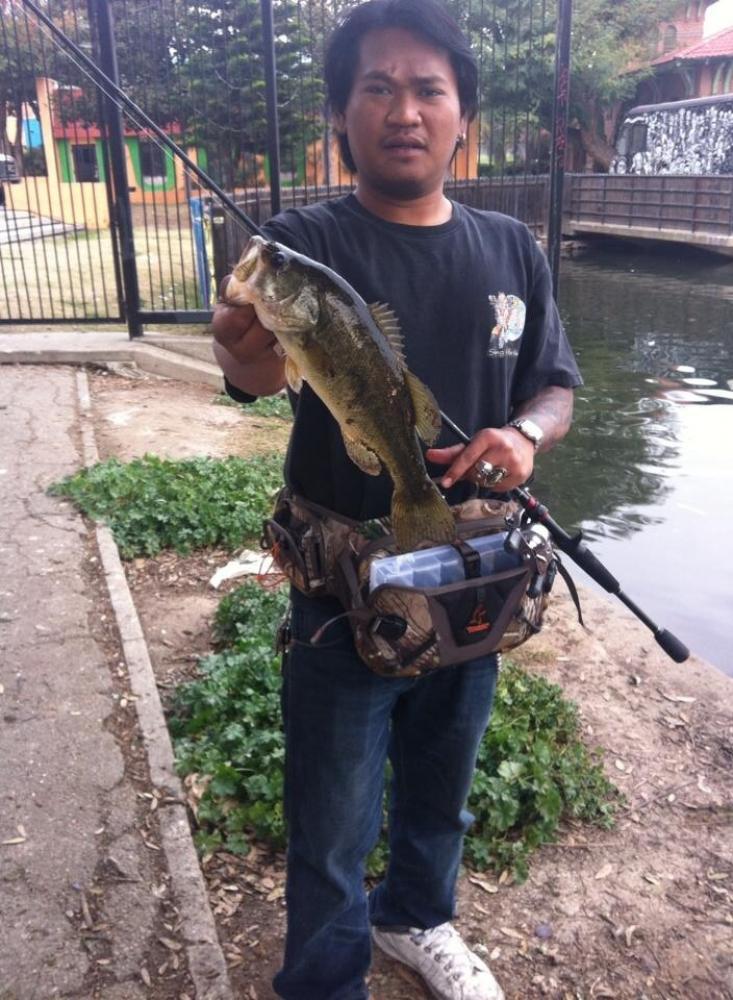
647, 471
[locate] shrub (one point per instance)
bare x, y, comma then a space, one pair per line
533, 769
152, 503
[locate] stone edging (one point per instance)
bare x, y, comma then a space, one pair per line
205, 957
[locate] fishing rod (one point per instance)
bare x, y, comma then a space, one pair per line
117, 95
574, 547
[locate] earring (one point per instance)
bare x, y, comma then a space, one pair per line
461, 140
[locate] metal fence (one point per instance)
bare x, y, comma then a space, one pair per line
105, 223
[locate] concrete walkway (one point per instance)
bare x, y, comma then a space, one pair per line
91, 885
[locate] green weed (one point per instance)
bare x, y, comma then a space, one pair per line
533, 769
152, 504
265, 406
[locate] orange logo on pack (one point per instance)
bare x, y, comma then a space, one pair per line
478, 621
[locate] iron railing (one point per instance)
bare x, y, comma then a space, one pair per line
146, 238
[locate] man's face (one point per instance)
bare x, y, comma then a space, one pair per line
403, 115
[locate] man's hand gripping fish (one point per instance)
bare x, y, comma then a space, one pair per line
350, 354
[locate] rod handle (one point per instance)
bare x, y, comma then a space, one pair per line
672, 645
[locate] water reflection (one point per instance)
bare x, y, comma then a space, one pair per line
654, 337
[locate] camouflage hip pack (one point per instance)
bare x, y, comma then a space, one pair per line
403, 630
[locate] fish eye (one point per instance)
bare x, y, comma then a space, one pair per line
278, 260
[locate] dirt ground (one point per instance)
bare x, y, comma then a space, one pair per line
644, 910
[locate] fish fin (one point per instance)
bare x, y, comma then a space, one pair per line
386, 319
293, 376
366, 459
429, 520
427, 411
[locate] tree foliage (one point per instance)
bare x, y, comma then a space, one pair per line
612, 43
201, 66
609, 40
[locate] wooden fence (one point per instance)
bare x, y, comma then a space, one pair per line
677, 208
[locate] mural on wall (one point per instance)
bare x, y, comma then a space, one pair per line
677, 140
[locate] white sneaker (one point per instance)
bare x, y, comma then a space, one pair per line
443, 959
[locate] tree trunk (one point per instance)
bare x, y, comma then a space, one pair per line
596, 147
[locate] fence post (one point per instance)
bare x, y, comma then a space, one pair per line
115, 133
559, 137
273, 129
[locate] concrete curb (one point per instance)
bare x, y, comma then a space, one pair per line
161, 355
205, 957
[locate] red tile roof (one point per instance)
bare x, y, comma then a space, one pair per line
718, 46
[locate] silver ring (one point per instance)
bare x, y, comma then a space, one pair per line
488, 475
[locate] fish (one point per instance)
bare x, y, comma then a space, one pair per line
351, 355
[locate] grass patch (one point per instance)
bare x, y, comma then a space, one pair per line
152, 504
533, 769
266, 406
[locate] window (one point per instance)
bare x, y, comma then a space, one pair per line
670, 38
85, 163
152, 164
638, 138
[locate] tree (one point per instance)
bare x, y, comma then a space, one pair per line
611, 46
515, 43
18, 48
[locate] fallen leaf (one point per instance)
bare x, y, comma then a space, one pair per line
605, 871
13, 840
145, 976
629, 935
680, 698
483, 884
169, 944
511, 933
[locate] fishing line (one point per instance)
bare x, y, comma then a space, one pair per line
133, 111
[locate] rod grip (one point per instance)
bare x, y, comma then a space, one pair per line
672, 645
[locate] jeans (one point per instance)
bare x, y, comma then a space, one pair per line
342, 722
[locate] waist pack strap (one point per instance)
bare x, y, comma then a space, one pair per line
471, 558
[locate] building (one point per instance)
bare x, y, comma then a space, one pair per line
73, 188
690, 61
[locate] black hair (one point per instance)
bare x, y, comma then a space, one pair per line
428, 19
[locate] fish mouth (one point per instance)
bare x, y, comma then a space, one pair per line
248, 261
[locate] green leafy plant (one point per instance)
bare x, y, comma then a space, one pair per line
226, 725
152, 504
533, 769
266, 406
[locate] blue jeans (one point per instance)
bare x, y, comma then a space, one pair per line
341, 723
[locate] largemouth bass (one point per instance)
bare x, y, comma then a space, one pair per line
351, 356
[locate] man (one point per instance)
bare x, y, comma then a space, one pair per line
473, 295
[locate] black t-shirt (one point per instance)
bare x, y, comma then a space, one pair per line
474, 301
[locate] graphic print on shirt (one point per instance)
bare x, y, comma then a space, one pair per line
510, 313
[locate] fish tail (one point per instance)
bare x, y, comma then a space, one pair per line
428, 519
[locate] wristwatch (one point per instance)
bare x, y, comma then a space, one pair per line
532, 431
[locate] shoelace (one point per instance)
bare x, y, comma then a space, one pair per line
460, 951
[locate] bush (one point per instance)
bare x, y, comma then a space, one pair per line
152, 504
533, 770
